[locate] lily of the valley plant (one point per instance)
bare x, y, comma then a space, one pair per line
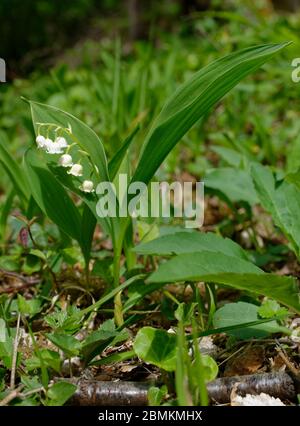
71, 157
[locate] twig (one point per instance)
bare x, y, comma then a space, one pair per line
12, 395
16, 289
15, 354
31, 392
288, 363
100, 393
20, 277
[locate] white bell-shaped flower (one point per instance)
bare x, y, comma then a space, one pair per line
65, 161
41, 141
87, 186
61, 142
52, 147
76, 170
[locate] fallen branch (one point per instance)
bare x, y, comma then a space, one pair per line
278, 385
100, 393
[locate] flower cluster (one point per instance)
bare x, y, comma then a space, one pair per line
57, 147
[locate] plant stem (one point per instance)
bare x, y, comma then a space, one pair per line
15, 355
118, 308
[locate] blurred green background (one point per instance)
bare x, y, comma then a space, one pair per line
113, 64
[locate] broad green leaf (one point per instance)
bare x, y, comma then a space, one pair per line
88, 224
98, 340
233, 314
235, 184
59, 393
66, 343
191, 242
29, 307
156, 395
90, 199
14, 171
209, 368
5, 212
51, 197
229, 271
87, 141
193, 100
232, 157
85, 136
50, 359
281, 200
158, 347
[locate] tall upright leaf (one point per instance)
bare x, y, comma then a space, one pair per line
14, 171
85, 136
51, 197
87, 140
194, 99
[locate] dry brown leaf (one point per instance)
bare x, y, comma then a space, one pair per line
249, 361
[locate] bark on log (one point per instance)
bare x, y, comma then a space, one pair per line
100, 393
279, 385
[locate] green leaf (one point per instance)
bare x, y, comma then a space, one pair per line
233, 314
5, 210
88, 224
191, 242
59, 393
31, 264
270, 308
51, 197
156, 395
87, 138
29, 307
193, 100
10, 262
98, 340
68, 344
14, 171
116, 161
90, 199
235, 184
114, 358
2, 330
229, 271
158, 347
49, 358
281, 200
232, 157
209, 368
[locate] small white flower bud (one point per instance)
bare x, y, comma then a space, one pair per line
87, 186
76, 170
52, 147
65, 161
41, 141
61, 142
